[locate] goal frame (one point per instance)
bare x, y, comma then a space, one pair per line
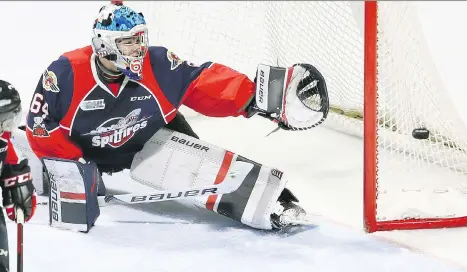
370, 120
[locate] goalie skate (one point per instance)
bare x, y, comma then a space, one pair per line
288, 214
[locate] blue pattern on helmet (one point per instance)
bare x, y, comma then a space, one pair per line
124, 19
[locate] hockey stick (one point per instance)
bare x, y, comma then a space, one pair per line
19, 246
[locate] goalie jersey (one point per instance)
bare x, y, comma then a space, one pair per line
74, 114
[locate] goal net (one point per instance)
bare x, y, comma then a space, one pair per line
381, 80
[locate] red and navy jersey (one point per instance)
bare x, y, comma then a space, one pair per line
74, 114
8, 153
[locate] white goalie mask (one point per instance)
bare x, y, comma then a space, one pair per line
121, 36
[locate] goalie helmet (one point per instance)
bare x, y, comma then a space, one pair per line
121, 36
10, 107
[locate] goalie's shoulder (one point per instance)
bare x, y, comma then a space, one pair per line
156, 51
58, 77
163, 58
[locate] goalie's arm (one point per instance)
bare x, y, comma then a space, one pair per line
294, 97
216, 90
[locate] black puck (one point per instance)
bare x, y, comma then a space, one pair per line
421, 133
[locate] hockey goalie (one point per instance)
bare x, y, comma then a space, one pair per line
113, 105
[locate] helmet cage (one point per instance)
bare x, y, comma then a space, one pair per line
10, 118
105, 44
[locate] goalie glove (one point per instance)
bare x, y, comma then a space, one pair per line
296, 97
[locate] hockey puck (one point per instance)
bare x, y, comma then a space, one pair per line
421, 133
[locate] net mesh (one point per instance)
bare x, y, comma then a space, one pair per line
427, 176
416, 178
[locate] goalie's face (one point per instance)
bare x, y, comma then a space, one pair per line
122, 51
131, 46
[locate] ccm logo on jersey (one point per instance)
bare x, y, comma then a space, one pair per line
140, 98
17, 179
115, 132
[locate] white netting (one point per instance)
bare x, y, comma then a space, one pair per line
329, 35
411, 95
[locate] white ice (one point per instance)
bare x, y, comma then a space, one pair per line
324, 166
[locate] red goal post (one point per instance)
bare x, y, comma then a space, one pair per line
371, 128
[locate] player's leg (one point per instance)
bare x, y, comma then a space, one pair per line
233, 205
261, 200
4, 253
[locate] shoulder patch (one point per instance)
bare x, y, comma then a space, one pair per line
174, 60
49, 81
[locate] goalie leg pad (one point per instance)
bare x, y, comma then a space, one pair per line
171, 161
254, 201
72, 194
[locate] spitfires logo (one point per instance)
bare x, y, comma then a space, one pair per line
115, 132
175, 61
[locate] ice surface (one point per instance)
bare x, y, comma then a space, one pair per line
172, 236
